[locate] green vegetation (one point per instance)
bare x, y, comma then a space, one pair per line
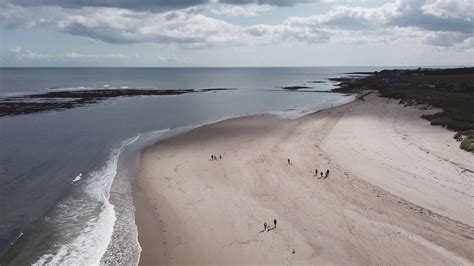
449, 89
468, 144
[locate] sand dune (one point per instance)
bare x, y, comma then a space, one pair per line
396, 193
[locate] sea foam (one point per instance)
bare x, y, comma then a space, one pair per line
124, 247
77, 178
89, 245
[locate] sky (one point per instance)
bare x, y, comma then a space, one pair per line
216, 33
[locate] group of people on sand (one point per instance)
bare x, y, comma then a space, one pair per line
267, 226
213, 157
323, 175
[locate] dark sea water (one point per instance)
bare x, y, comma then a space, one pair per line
65, 175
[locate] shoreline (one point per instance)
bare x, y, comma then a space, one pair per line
174, 190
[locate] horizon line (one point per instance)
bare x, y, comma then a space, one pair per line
289, 66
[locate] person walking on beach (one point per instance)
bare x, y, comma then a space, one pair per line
327, 173
212, 157
275, 226
265, 227
289, 162
321, 174
316, 172
220, 157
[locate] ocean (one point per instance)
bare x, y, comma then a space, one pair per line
65, 176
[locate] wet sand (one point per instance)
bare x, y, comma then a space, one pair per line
396, 192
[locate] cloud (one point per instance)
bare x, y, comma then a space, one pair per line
124, 4
267, 2
187, 27
435, 23
153, 5
173, 59
457, 9
19, 53
92, 57
286, 34
441, 31
448, 39
359, 17
12, 16
414, 14
402, 13
249, 10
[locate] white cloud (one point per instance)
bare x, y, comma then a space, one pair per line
436, 23
284, 33
92, 57
249, 10
170, 59
360, 17
19, 53
22, 54
187, 27
399, 20
450, 39
462, 9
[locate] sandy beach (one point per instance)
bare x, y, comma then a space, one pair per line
399, 191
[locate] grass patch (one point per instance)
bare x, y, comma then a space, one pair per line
468, 144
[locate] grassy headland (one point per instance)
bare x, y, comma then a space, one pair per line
449, 89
